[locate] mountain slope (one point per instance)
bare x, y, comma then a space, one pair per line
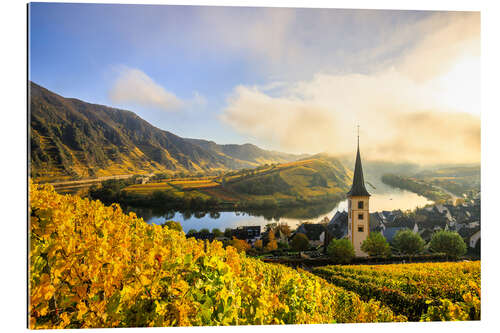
299, 183
310, 178
245, 155
73, 139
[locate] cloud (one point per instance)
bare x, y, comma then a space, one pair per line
395, 124
136, 88
447, 37
422, 107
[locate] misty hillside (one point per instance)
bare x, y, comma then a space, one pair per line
73, 139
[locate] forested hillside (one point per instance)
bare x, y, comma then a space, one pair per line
72, 139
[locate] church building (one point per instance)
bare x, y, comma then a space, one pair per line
358, 209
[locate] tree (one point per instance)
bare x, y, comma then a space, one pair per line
228, 232
271, 243
258, 244
283, 245
173, 225
408, 242
284, 228
448, 242
217, 232
191, 232
376, 245
341, 250
300, 242
204, 231
239, 244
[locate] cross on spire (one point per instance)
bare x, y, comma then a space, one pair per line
358, 135
358, 183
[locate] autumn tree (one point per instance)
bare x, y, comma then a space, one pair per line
239, 244
284, 228
258, 244
271, 243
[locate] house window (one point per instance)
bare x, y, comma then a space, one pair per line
360, 228
360, 216
360, 204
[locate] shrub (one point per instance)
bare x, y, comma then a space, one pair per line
300, 242
408, 242
376, 245
341, 250
448, 242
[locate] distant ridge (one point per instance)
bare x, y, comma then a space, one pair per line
73, 139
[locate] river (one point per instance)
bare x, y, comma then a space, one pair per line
383, 197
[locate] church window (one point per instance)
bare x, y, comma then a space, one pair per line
360, 228
360, 204
360, 216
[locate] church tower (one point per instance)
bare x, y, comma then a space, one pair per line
358, 208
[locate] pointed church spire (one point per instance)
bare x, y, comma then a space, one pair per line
358, 138
358, 183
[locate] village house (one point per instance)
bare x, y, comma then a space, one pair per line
390, 232
247, 233
315, 232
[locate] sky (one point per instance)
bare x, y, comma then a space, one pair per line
293, 80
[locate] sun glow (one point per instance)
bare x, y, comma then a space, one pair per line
459, 88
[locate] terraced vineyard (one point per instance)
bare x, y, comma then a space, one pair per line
310, 181
92, 266
423, 291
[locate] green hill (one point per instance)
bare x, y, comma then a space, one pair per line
71, 139
318, 180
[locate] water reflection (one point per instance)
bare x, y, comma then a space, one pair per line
383, 198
